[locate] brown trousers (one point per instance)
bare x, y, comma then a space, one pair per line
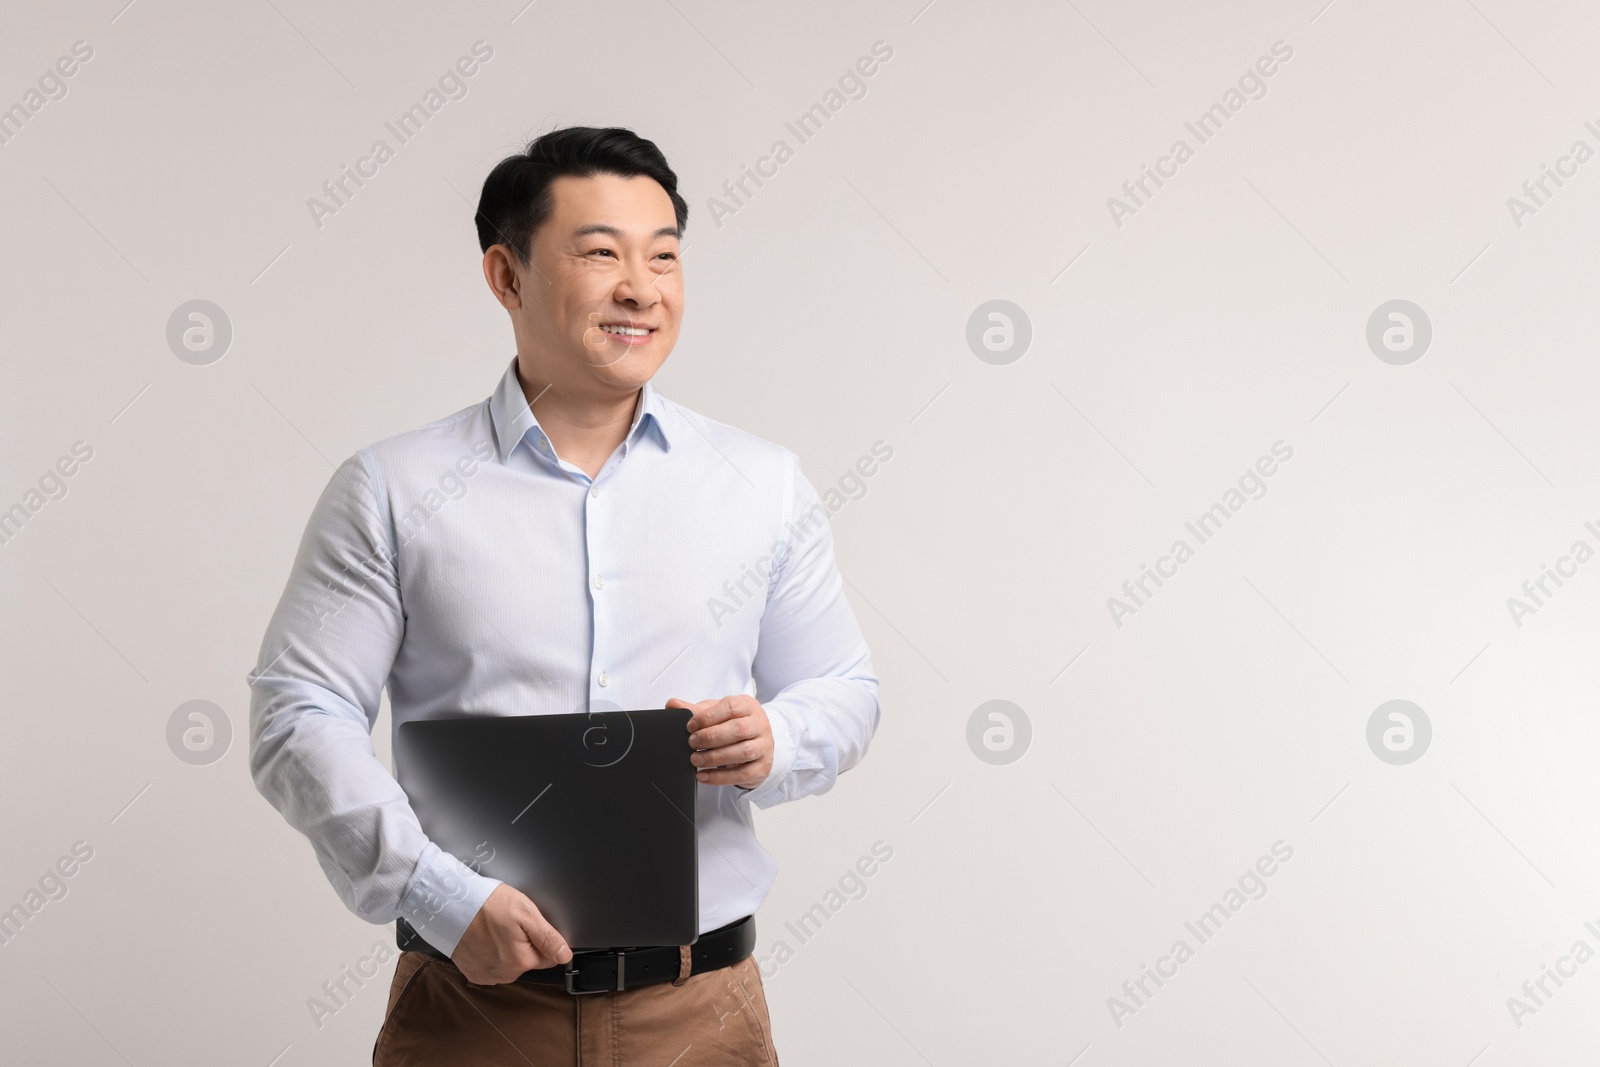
436, 1018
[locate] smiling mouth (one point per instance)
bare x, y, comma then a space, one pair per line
628, 334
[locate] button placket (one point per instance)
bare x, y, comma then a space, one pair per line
594, 537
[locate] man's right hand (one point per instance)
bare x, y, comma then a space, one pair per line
506, 937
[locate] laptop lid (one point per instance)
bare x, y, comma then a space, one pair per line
590, 814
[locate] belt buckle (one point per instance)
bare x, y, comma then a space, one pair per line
571, 973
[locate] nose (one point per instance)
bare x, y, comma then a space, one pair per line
637, 287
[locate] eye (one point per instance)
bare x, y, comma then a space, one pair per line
606, 251
668, 255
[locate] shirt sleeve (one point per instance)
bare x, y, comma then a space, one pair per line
812, 668
314, 699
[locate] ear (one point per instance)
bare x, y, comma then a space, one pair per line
500, 270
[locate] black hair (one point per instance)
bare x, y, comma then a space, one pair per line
516, 198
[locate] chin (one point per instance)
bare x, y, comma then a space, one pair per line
631, 368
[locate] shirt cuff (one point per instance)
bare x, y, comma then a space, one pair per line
443, 897
770, 791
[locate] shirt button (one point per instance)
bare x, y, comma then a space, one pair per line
599, 581
594, 490
544, 446
603, 679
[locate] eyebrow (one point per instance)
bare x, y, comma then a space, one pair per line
612, 231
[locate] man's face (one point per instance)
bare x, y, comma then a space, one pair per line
603, 293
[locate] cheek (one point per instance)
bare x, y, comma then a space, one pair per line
576, 301
673, 299
582, 317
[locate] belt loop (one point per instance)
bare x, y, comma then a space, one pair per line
684, 962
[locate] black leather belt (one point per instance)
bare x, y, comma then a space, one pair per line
611, 971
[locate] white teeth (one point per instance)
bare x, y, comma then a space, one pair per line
625, 331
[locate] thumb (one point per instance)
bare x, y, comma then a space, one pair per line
545, 939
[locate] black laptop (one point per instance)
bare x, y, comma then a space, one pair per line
590, 814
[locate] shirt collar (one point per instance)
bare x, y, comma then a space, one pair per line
514, 420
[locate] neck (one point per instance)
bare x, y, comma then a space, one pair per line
583, 430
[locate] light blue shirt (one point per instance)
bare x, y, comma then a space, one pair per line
469, 569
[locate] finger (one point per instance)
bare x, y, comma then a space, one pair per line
680, 703
727, 755
728, 733
750, 774
725, 710
545, 939
711, 712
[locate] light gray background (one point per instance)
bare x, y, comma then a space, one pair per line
830, 312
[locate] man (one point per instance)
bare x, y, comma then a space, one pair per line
575, 542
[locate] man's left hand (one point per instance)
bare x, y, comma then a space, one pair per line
732, 739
